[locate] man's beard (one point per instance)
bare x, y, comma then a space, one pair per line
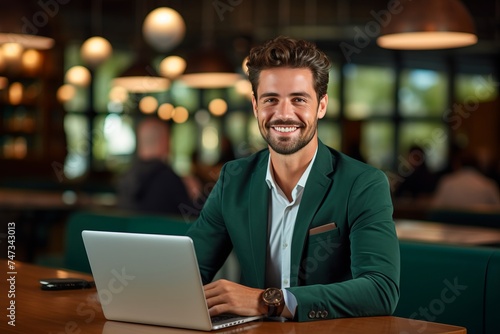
285, 145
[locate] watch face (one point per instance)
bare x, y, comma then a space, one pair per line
273, 296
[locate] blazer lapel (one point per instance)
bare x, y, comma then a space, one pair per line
258, 217
317, 186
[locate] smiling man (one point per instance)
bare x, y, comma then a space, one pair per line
311, 227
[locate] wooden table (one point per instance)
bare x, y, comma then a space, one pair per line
37, 212
78, 311
425, 231
30, 199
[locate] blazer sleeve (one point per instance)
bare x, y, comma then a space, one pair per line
209, 234
375, 263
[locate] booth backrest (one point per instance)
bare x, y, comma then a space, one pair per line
450, 284
75, 257
492, 304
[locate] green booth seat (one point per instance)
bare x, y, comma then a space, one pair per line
492, 304
450, 284
75, 257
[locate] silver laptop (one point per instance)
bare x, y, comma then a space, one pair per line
151, 279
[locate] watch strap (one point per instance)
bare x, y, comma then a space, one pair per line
272, 311
275, 311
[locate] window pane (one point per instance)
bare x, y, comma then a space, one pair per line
119, 140
423, 92
333, 91
377, 138
105, 73
185, 96
76, 126
240, 95
432, 137
114, 142
471, 88
369, 91
255, 140
183, 145
99, 149
210, 142
329, 133
79, 102
235, 126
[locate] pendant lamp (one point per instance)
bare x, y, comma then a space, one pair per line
163, 29
209, 68
426, 25
141, 77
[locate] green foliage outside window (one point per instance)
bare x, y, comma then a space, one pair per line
369, 91
423, 93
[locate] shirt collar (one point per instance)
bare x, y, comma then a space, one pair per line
302, 181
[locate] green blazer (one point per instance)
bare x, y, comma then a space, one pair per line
352, 270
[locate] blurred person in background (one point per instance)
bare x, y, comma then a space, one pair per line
419, 181
150, 185
466, 187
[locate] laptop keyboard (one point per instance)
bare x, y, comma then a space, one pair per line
223, 317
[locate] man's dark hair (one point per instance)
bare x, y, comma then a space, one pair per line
288, 52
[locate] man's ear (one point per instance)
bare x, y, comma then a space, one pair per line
254, 105
323, 103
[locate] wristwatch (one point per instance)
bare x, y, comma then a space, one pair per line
275, 301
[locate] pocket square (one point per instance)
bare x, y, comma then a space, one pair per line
322, 228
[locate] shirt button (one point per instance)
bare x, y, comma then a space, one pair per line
285, 282
312, 315
285, 245
324, 314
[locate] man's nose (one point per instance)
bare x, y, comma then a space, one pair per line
284, 109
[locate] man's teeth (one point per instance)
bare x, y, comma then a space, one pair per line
285, 129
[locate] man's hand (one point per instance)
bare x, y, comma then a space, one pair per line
228, 297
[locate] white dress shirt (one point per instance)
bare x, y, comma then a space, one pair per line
282, 216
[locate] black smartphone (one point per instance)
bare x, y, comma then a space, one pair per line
65, 284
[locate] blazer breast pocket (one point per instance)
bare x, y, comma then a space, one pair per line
323, 233
324, 252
